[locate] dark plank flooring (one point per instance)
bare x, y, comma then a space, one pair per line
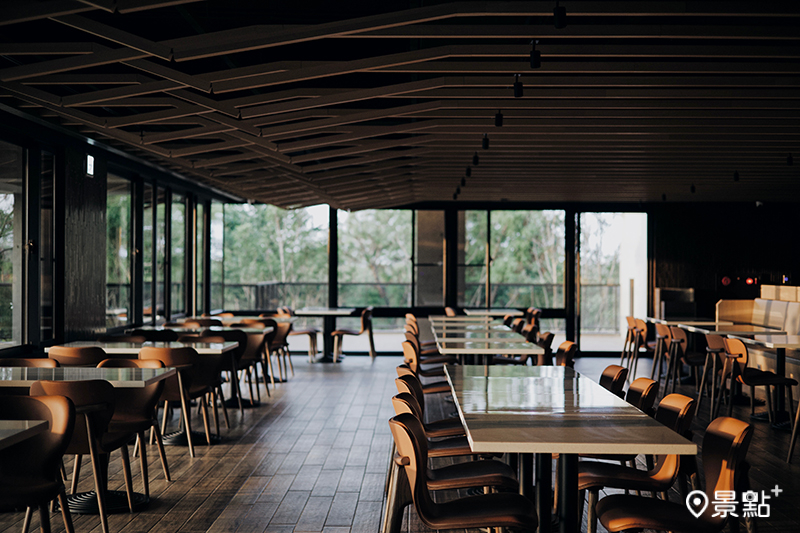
313, 458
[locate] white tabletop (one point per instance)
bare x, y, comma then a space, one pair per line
325, 311
228, 320
493, 312
487, 347
689, 321
735, 329
498, 329
181, 329
132, 348
791, 342
15, 431
119, 377
552, 409
462, 319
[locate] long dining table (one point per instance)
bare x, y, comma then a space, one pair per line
543, 410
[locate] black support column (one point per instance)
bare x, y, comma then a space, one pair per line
450, 257
571, 281
333, 279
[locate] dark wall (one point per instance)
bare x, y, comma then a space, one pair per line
696, 245
84, 238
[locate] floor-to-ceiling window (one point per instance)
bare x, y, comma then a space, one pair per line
613, 277
148, 268
161, 254
12, 218
119, 255
473, 249
47, 257
178, 255
217, 251
199, 262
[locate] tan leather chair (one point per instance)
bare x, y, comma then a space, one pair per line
427, 388
310, 332
724, 447
134, 412
232, 362
489, 510
679, 354
447, 427
137, 339
257, 353
91, 436
565, 355
449, 311
663, 337
735, 368
28, 362
674, 411
613, 379
77, 356
202, 323
366, 327
30, 471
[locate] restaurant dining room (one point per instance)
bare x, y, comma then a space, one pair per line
399, 266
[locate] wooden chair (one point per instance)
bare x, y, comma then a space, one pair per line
449, 311
627, 348
232, 363
366, 327
663, 337
679, 355
134, 412
446, 427
30, 471
137, 339
565, 355
28, 362
77, 356
96, 398
613, 378
202, 323
488, 474
715, 347
725, 445
310, 332
735, 368
674, 411
487, 510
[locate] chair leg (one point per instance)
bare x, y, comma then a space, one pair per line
65, 514
126, 474
702, 384
99, 485
26, 523
225, 408
76, 474
206, 426
769, 404
790, 404
336, 342
264, 378
143, 465
794, 434
44, 518
161, 453
215, 410
287, 353
591, 504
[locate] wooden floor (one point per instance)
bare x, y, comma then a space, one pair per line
313, 458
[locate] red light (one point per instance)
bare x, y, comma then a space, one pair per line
749, 281
726, 281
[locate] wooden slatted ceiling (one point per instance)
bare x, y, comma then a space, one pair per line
304, 103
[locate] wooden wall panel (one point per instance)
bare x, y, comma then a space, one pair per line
84, 257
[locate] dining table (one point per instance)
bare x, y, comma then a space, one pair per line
329, 316
539, 411
133, 348
15, 431
24, 377
493, 312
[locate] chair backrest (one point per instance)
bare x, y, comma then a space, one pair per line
449, 311
680, 336
41, 454
282, 330
412, 449
156, 335
138, 339
95, 393
631, 322
174, 357
641, 327
366, 319
140, 402
724, 449
642, 394
203, 322
613, 378
663, 331
231, 335
545, 340
410, 383
76, 356
411, 356
565, 355
675, 411
224, 315
406, 403
517, 324
737, 348
28, 362
411, 327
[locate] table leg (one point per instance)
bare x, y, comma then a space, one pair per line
328, 326
544, 498
526, 475
782, 417
568, 520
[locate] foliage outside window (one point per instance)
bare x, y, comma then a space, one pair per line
118, 251
528, 257
147, 254
275, 257
178, 255
375, 258
216, 249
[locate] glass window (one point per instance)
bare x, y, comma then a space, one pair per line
118, 251
217, 252
275, 257
147, 254
472, 248
527, 259
12, 218
613, 277
429, 258
375, 258
46, 248
199, 254
161, 253
178, 255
